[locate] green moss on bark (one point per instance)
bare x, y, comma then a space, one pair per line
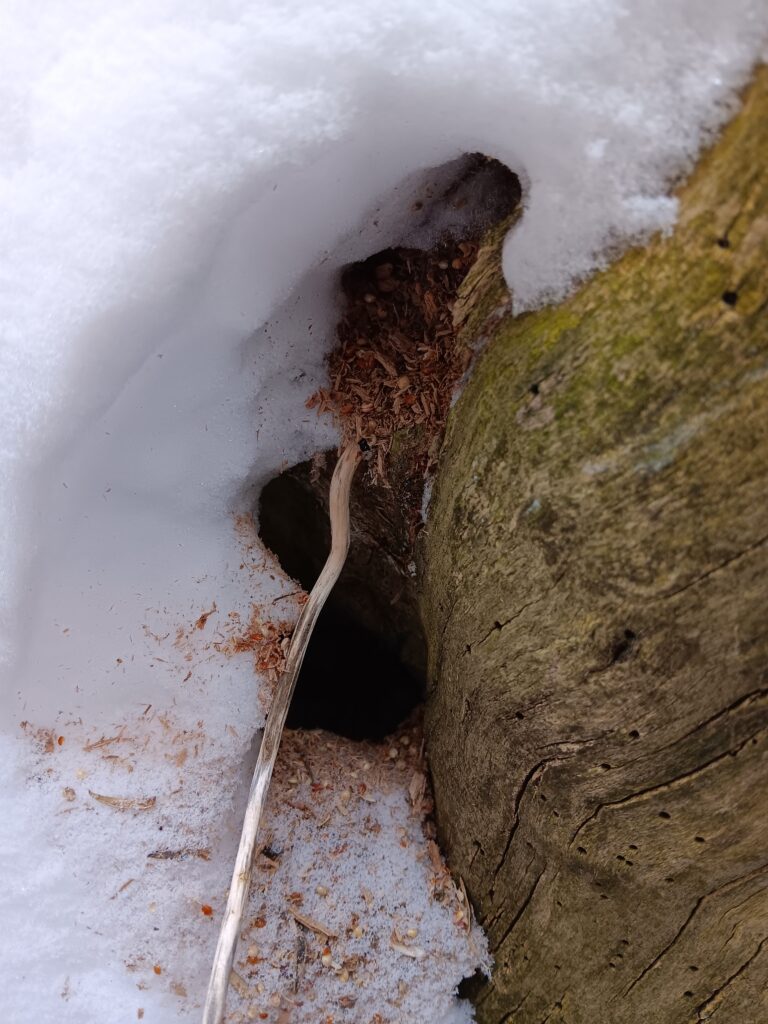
595, 600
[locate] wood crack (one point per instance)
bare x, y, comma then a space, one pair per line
715, 569
709, 1006
746, 699
521, 910
530, 777
509, 1015
665, 786
498, 626
718, 891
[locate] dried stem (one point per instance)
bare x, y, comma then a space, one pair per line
216, 997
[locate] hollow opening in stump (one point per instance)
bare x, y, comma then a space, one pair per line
400, 354
364, 671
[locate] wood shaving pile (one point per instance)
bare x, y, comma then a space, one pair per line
398, 361
353, 915
268, 640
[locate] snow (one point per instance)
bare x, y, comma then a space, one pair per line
179, 186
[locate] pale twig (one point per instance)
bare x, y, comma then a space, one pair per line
341, 482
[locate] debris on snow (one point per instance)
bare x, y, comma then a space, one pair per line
379, 922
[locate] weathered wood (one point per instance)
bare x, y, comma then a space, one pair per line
596, 603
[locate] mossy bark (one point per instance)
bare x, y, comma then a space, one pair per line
596, 603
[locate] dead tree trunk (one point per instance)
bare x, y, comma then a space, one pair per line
596, 604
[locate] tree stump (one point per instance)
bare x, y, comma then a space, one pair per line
595, 596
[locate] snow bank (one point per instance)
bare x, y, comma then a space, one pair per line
174, 177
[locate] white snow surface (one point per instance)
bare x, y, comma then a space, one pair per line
180, 184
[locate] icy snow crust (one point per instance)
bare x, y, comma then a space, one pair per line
174, 177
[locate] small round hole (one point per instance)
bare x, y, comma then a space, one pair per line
699, 839
634, 734
730, 298
581, 849
665, 814
724, 243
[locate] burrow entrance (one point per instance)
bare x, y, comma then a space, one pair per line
364, 670
399, 355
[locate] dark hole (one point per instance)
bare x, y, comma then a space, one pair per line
723, 243
665, 814
619, 857
363, 672
688, 994
623, 647
352, 682
693, 967
699, 839
625, 942
605, 766
632, 846
534, 389
581, 849
470, 988
634, 734
730, 298
519, 715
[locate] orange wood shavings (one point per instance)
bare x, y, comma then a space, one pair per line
398, 359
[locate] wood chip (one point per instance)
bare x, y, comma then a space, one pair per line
414, 952
202, 853
239, 985
125, 803
312, 925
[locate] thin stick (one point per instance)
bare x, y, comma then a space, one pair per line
216, 998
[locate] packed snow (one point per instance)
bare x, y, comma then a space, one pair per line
173, 178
